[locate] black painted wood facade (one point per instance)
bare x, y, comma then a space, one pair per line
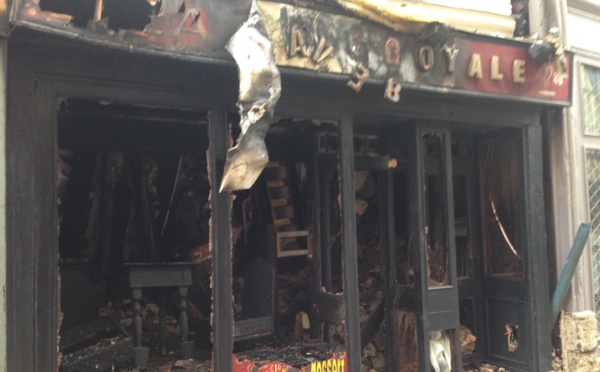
44, 70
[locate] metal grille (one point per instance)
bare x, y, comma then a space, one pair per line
593, 177
591, 100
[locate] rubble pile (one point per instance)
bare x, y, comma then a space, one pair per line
296, 355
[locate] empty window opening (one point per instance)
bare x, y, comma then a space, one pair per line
120, 14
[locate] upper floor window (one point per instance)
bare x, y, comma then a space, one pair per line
591, 100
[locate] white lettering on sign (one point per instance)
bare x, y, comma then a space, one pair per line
495, 67
450, 54
475, 70
519, 71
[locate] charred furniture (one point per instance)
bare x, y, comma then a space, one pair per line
161, 276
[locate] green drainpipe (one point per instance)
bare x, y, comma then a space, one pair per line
569, 269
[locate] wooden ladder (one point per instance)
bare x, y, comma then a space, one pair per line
290, 237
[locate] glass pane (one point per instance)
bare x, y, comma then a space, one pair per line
593, 177
501, 203
436, 234
591, 100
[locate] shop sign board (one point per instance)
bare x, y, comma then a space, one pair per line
441, 59
323, 40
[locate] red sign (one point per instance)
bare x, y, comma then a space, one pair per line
503, 69
451, 61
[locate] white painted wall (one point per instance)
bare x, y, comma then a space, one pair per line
491, 6
583, 31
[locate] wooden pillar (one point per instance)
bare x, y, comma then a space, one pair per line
388, 255
417, 245
220, 238
535, 256
43, 227
349, 243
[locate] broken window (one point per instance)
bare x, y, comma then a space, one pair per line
132, 190
407, 340
118, 14
436, 204
500, 175
463, 198
464, 258
405, 272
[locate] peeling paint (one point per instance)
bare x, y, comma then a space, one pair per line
185, 26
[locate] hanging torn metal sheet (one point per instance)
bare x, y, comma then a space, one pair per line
260, 89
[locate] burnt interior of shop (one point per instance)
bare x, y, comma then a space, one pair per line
133, 189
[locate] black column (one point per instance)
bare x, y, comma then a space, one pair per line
349, 244
220, 238
535, 254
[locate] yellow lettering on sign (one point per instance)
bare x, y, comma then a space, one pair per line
329, 365
426, 57
475, 70
519, 71
298, 45
392, 90
496, 74
358, 78
450, 54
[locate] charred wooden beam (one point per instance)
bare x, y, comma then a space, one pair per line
388, 256
371, 326
220, 238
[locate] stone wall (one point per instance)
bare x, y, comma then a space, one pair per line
579, 335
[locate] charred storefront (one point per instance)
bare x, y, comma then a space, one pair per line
381, 204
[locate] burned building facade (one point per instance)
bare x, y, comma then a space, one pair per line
382, 203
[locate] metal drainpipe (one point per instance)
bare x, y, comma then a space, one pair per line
569, 270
